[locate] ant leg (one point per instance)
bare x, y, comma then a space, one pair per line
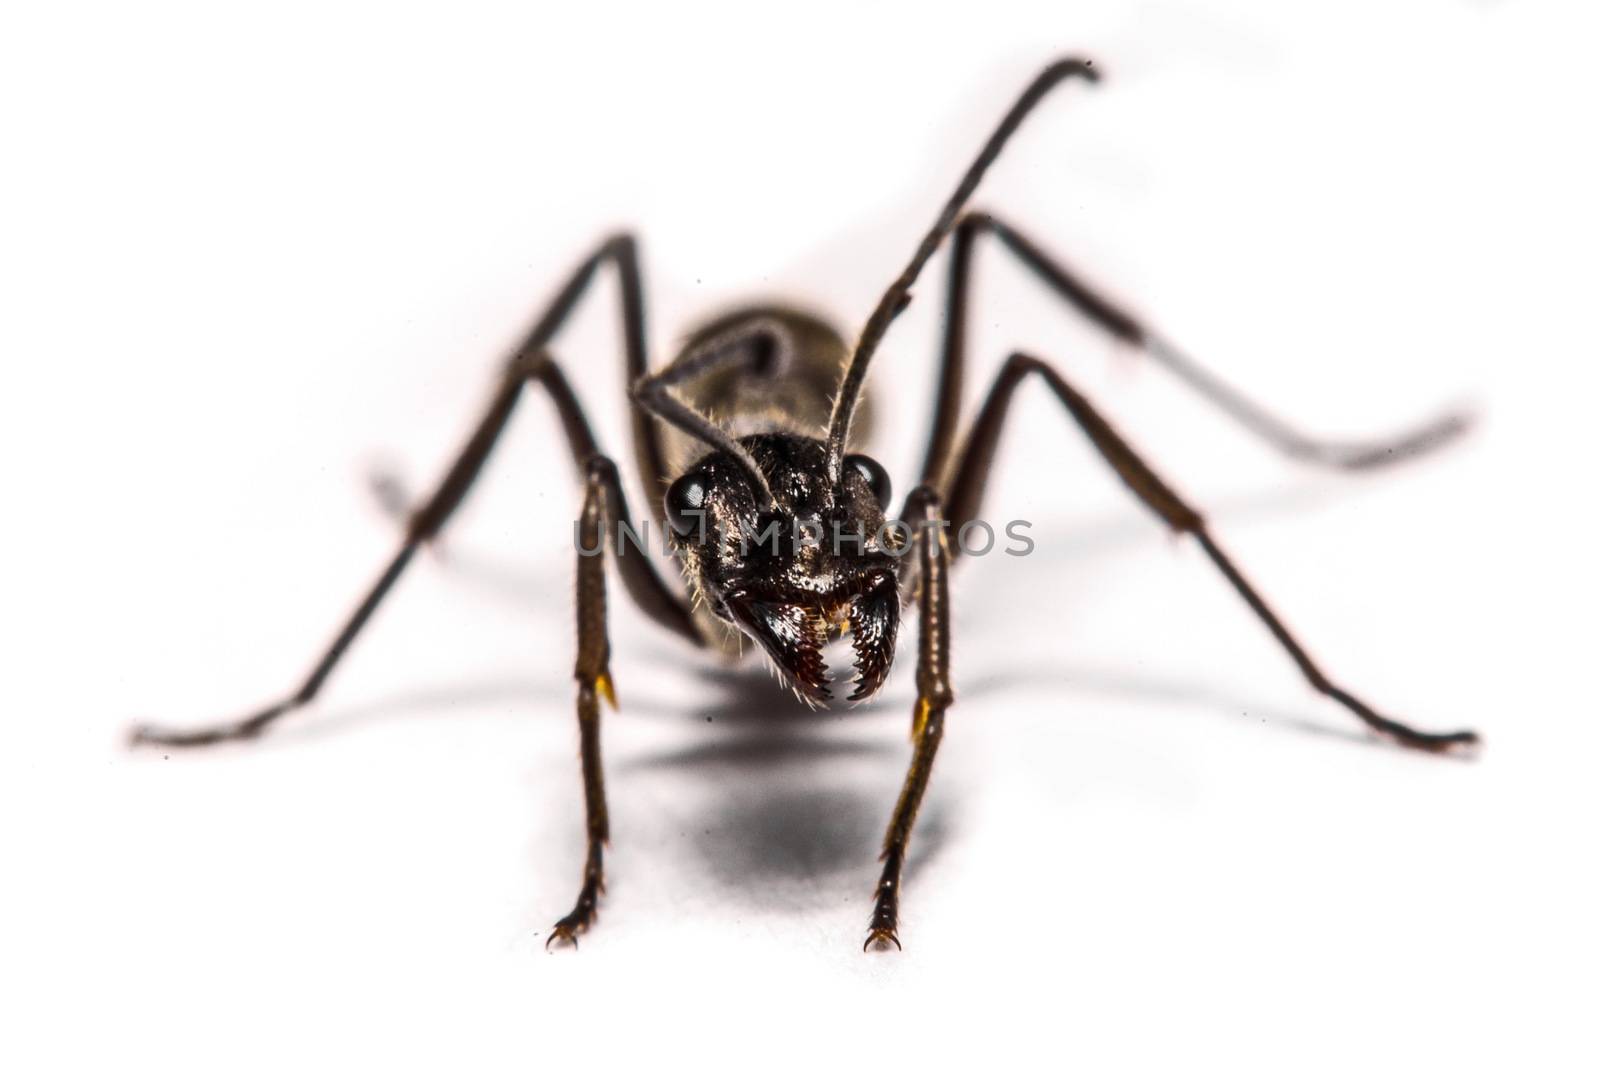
972, 471
530, 363
1073, 290
593, 673
933, 697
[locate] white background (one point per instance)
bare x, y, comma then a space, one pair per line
248, 259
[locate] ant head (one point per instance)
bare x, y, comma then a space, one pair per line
800, 569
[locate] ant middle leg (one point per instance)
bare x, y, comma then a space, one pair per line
530, 363
1070, 287
970, 475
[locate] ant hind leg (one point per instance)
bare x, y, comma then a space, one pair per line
1072, 289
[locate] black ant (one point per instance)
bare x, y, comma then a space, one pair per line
763, 446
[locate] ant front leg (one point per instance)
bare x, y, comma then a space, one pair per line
593, 674
931, 558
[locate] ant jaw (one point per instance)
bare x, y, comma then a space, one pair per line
874, 621
793, 635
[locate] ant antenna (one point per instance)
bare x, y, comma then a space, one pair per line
898, 295
743, 348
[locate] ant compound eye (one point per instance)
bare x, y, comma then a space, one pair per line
874, 475
685, 505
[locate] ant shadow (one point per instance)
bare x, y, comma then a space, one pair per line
790, 811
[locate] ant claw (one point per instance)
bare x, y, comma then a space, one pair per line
880, 940
569, 926
565, 933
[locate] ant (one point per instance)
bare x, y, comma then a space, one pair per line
749, 432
